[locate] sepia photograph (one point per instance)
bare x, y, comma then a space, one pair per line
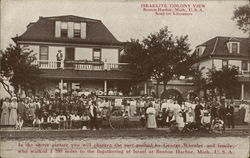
121, 78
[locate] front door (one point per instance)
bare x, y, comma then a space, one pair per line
69, 57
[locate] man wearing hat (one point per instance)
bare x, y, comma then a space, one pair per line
222, 111
230, 114
93, 116
44, 120
59, 57
197, 112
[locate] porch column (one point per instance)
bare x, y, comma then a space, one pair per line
242, 91
61, 88
105, 87
145, 88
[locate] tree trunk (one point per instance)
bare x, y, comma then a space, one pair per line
164, 86
204, 94
157, 89
19, 91
220, 93
214, 94
6, 87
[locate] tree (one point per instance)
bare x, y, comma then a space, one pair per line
169, 56
160, 56
136, 55
16, 64
241, 15
199, 79
221, 79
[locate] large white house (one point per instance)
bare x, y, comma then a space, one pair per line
227, 51
76, 52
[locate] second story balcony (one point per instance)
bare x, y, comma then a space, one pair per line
82, 65
244, 74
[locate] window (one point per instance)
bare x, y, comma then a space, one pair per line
77, 30
244, 65
234, 48
224, 63
200, 51
96, 54
64, 29
44, 53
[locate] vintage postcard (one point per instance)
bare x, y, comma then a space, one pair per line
125, 78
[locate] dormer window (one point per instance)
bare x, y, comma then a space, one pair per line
77, 30
64, 29
234, 47
70, 29
200, 50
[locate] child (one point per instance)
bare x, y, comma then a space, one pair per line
36, 121
62, 119
85, 120
75, 120
125, 119
217, 124
68, 122
19, 122
169, 118
159, 119
54, 121
45, 120
205, 121
190, 125
180, 121
143, 119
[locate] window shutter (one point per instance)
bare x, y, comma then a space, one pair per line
230, 47
238, 48
58, 29
83, 30
70, 29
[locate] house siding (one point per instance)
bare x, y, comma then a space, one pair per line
111, 55
207, 65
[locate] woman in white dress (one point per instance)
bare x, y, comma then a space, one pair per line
5, 112
245, 106
151, 121
13, 111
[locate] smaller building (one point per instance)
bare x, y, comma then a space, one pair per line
227, 51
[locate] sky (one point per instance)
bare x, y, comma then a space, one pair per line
126, 19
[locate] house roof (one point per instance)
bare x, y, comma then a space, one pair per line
78, 75
44, 31
217, 46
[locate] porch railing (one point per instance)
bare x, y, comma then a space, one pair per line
244, 74
76, 65
47, 64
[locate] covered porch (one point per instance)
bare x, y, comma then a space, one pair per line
101, 82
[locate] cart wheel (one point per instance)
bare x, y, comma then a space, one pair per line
116, 119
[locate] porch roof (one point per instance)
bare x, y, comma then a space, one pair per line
80, 74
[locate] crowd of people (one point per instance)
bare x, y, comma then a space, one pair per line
89, 111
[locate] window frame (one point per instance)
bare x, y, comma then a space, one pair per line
100, 54
234, 49
40, 52
64, 31
77, 31
242, 63
222, 62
